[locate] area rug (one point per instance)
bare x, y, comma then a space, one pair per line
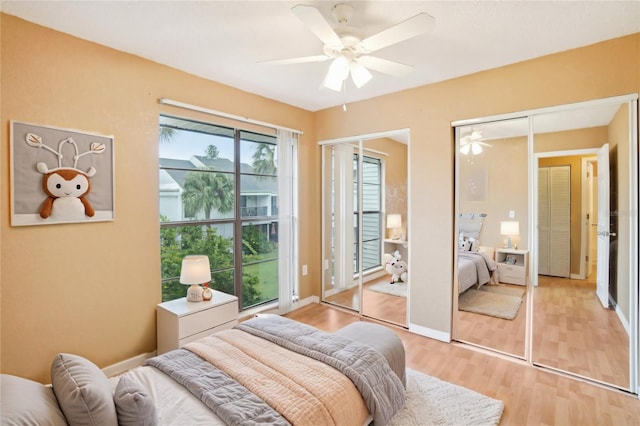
431, 401
495, 301
397, 289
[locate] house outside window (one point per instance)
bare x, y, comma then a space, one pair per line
218, 189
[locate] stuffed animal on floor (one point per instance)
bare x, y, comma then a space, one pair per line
396, 267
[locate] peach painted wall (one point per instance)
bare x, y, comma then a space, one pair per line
617, 135
501, 172
92, 289
605, 69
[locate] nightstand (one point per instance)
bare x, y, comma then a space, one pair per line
516, 272
181, 322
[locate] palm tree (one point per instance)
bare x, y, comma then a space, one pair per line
204, 191
166, 134
264, 159
212, 152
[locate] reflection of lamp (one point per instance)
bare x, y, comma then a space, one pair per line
394, 222
195, 271
510, 229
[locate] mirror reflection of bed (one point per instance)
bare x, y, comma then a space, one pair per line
490, 313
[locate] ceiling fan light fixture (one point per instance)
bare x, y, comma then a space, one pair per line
464, 149
360, 75
340, 67
476, 148
332, 83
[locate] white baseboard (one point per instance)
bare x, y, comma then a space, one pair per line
127, 364
623, 320
306, 301
428, 332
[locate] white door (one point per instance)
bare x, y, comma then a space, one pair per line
554, 221
602, 278
543, 221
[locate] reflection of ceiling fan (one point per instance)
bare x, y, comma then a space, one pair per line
472, 143
349, 53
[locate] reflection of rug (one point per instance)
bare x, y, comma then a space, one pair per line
431, 401
397, 289
493, 300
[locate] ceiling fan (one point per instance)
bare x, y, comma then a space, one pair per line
350, 54
473, 143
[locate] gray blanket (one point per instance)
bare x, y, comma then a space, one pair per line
380, 387
474, 268
231, 401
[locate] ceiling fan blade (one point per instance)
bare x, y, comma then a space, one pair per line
300, 60
313, 19
412, 27
384, 66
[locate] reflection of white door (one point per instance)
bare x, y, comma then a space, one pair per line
602, 278
592, 221
554, 221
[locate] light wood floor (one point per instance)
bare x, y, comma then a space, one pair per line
531, 396
376, 305
574, 332
571, 331
500, 334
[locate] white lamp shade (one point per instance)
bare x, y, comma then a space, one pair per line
360, 75
340, 67
394, 221
195, 270
510, 228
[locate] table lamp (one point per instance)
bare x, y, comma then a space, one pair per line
195, 271
510, 229
394, 222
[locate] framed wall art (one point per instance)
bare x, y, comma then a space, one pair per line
60, 176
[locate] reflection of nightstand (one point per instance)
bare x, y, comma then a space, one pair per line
398, 241
513, 266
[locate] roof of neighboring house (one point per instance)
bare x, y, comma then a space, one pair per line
178, 170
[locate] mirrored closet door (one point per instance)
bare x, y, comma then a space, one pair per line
365, 247
492, 277
585, 160
575, 238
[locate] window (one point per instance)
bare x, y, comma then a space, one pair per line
219, 197
371, 212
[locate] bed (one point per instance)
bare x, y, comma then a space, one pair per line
474, 269
267, 370
476, 266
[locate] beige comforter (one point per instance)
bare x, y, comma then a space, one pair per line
303, 390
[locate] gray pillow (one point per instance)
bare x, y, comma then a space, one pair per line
134, 406
25, 402
83, 391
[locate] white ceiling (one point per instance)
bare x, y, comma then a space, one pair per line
224, 40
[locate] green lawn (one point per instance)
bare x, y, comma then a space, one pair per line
267, 274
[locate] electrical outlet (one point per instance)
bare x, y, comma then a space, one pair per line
512, 214
305, 270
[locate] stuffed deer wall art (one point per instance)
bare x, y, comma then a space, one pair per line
66, 187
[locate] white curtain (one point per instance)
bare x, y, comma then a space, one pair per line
287, 219
343, 216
